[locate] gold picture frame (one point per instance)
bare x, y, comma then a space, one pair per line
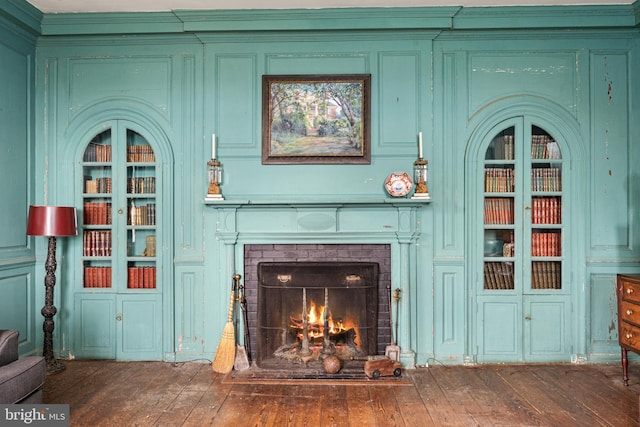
316, 119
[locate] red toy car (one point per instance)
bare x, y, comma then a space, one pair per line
382, 367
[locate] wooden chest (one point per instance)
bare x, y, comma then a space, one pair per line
628, 296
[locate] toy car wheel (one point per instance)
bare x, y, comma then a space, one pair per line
397, 372
375, 374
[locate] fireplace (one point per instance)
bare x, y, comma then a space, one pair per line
323, 229
357, 279
308, 310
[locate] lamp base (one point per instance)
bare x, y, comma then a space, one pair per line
54, 366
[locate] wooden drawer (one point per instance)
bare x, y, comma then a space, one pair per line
630, 312
630, 290
629, 336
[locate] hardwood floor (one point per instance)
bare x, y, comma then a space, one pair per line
109, 393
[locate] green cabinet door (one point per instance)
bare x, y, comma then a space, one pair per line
119, 293
522, 291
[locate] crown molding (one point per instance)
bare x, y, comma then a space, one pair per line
344, 19
22, 14
527, 17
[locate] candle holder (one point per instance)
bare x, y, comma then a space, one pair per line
420, 169
214, 168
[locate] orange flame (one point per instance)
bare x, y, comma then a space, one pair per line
315, 321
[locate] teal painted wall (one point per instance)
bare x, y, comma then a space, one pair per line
19, 26
447, 72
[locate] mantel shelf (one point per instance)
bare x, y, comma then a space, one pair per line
301, 202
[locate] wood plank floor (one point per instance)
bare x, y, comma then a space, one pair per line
109, 393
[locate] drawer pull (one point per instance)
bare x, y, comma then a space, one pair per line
629, 291
629, 312
629, 335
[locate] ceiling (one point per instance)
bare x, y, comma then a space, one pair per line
63, 6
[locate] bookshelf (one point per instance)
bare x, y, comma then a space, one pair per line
118, 293
118, 254
522, 212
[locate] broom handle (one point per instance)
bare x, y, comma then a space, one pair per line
232, 299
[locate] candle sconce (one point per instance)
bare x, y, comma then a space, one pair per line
420, 172
214, 169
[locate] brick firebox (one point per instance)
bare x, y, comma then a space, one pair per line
378, 253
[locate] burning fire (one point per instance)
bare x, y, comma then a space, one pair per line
315, 322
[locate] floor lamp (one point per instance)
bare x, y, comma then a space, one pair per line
51, 221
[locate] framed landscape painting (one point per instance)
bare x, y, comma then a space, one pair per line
316, 119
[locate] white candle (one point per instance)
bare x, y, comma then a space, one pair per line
213, 145
420, 145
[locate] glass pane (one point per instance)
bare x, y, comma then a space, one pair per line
138, 149
543, 146
545, 243
498, 210
99, 149
546, 210
499, 179
546, 177
546, 275
502, 146
499, 275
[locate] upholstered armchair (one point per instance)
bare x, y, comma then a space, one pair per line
21, 379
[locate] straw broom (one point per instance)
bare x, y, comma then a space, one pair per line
226, 353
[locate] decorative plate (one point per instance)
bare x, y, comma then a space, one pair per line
398, 184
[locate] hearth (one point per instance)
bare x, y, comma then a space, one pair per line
308, 311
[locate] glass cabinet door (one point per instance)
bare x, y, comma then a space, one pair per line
522, 218
119, 170
499, 212
546, 211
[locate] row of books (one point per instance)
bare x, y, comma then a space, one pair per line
140, 153
99, 185
141, 277
546, 210
146, 185
546, 275
498, 210
499, 180
544, 147
545, 244
97, 277
546, 179
103, 153
137, 277
501, 148
97, 213
96, 243
143, 215
97, 153
498, 275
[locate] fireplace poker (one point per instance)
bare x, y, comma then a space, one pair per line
245, 319
242, 354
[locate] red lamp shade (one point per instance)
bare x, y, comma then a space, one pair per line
52, 221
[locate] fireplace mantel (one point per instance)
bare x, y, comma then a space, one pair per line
310, 202
338, 220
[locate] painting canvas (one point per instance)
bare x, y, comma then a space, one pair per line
316, 119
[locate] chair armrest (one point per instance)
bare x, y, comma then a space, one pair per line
21, 378
8, 346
